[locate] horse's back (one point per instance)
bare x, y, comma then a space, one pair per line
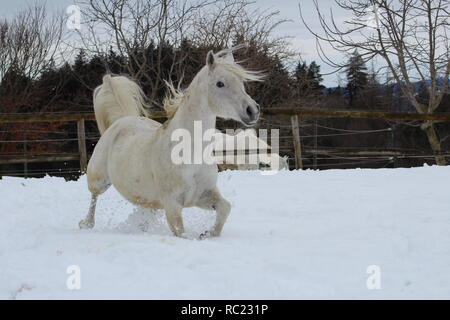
124, 132
114, 144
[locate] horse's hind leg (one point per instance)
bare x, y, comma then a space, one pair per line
175, 220
89, 221
98, 183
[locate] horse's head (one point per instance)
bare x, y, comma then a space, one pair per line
226, 92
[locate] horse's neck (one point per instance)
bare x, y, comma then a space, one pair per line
195, 116
195, 108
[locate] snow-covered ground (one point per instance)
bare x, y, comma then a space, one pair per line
292, 235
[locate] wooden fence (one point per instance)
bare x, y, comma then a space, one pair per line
295, 115
80, 118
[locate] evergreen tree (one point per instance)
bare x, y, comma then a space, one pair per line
315, 77
357, 78
308, 78
301, 77
80, 61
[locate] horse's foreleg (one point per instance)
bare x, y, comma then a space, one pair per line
214, 200
89, 221
223, 209
175, 220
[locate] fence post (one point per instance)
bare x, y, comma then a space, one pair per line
25, 153
297, 142
315, 145
82, 145
393, 144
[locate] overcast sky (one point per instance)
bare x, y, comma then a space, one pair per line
301, 41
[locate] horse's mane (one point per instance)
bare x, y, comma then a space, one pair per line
175, 97
240, 71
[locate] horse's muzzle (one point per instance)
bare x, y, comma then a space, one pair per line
251, 115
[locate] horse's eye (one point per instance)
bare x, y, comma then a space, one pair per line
220, 84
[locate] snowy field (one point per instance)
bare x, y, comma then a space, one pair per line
294, 235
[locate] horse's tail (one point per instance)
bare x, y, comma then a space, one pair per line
117, 97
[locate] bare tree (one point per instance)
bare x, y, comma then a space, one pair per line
410, 36
29, 43
229, 21
132, 27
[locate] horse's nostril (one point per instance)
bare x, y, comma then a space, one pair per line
249, 111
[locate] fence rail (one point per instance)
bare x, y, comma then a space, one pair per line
357, 114
300, 112
78, 117
57, 117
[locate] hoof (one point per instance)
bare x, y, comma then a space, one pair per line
86, 224
204, 235
207, 234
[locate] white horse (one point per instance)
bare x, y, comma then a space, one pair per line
134, 153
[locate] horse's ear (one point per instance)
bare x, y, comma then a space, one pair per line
210, 59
